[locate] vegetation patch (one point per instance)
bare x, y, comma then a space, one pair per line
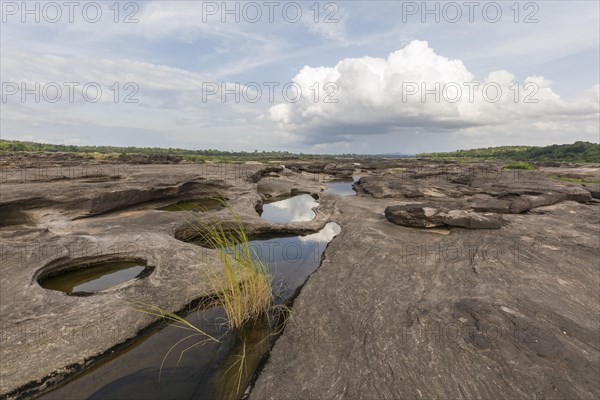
243, 287
121, 153
580, 152
520, 165
574, 180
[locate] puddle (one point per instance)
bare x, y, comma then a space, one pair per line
196, 205
342, 188
203, 372
94, 277
200, 374
292, 259
295, 209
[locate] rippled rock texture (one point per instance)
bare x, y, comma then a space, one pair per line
409, 303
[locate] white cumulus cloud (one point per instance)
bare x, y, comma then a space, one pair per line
416, 88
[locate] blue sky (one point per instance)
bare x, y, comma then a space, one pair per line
371, 52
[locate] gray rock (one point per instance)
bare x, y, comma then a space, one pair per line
390, 314
406, 314
471, 220
264, 172
490, 206
594, 189
578, 193
418, 215
47, 335
430, 215
525, 202
388, 187
461, 179
271, 187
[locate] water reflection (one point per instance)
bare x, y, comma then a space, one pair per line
295, 209
93, 278
291, 260
342, 188
205, 371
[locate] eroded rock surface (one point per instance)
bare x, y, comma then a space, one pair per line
398, 312
46, 334
508, 313
394, 311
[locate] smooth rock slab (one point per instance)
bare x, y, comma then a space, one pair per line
398, 313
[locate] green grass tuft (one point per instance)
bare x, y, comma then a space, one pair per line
242, 282
574, 180
520, 165
242, 286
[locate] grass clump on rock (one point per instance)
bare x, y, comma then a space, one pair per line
520, 165
242, 283
574, 180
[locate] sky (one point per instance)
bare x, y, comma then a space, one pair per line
367, 77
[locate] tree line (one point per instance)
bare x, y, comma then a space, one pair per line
581, 152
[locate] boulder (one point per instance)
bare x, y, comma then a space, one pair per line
578, 193
461, 179
490, 206
418, 215
471, 220
527, 202
594, 189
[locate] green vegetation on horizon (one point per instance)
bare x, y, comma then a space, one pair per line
581, 152
113, 152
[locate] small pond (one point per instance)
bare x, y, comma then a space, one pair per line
295, 209
94, 277
203, 371
342, 188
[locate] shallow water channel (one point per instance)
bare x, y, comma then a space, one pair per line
207, 371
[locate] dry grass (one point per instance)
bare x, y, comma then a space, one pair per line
242, 282
242, 285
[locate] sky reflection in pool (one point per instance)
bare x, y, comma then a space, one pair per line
94, 278
292, 259
205, 371
342, 188
295, 209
